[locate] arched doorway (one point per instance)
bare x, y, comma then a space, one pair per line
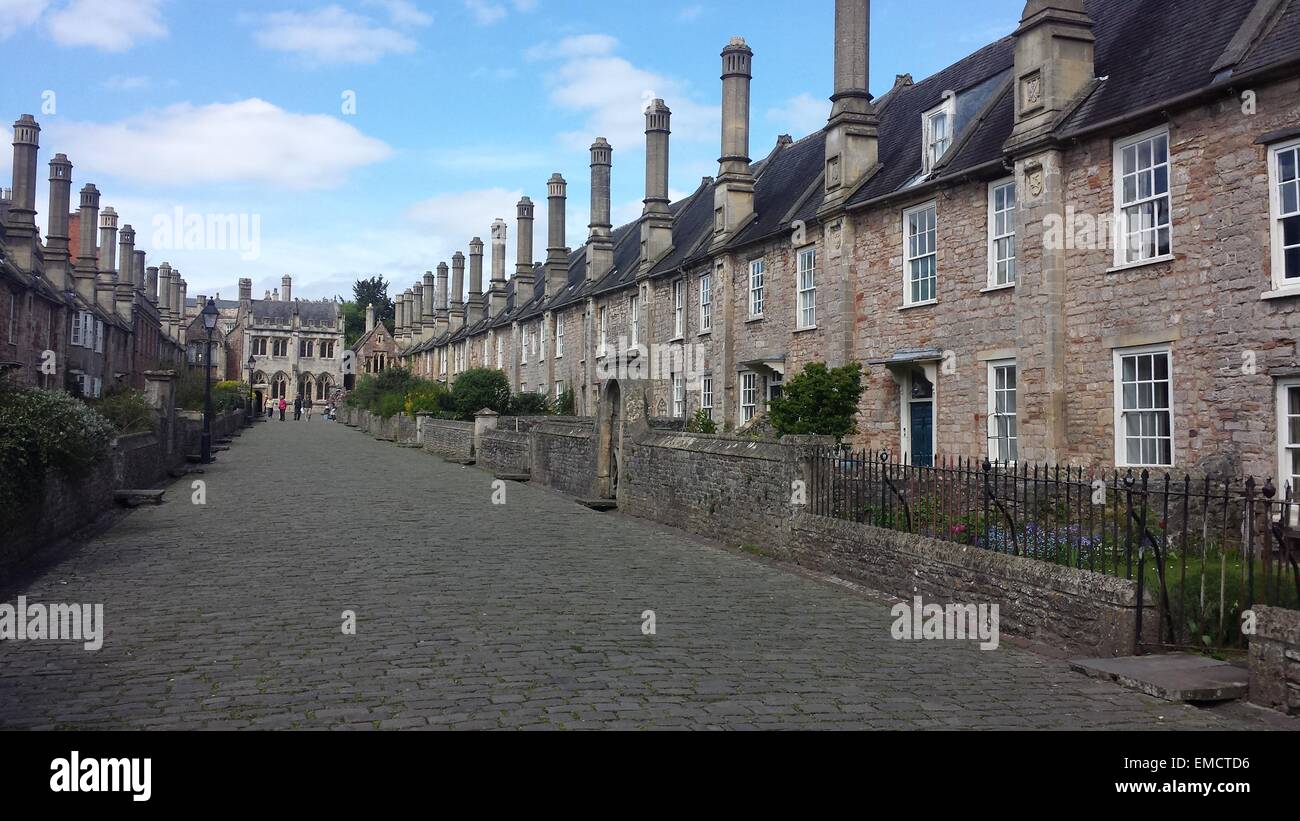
609, 438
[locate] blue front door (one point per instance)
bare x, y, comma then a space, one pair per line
922, 434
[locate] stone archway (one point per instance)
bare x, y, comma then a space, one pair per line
609, 440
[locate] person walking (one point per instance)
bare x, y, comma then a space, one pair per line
297, 408
283, 406
306, 407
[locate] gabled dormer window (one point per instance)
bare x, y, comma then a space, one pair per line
937, 128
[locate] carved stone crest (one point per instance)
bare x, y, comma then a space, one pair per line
1032, 91
1034, 179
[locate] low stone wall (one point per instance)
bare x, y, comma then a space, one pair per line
562, 455
1275, 659
446, 437
734, 490
406, 432
505, 451
1053, 604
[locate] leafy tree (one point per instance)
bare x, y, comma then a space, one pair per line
480, 388
819, 401
354, 323
374, 291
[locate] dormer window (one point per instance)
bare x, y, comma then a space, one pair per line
938, 127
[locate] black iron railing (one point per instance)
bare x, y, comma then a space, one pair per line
1207, 548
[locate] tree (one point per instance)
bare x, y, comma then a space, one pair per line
480, 388
374, 291
819, 401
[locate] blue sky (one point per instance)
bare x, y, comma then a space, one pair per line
461, 106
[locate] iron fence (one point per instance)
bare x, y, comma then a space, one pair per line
1207, 548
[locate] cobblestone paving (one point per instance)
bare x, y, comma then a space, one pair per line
474, 616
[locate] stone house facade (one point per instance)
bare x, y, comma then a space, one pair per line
1061, 248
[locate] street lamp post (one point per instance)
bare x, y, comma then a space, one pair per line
210, 315
252, 365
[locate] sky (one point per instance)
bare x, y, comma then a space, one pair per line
350, 138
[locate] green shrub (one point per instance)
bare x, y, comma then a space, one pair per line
391, 404
819, 401
480, 388
530, 404
567, 404
40, 431
427, 396
701, 422
128, 411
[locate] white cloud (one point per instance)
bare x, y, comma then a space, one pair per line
19, 14
612, 93
333, 34
800, 115
489, 12
109, 25
251, 141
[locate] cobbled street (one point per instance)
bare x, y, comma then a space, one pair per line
475, 616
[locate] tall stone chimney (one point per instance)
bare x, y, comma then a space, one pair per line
852, 134
107, 275
151, 284
370, 317
1053, 64
600, 240
124, 290
138, 278
524, 252
417, 309
286, 287
430, 297
475, 306
733, 193
441, 317
497, 295
180, 287
656, 219
21, 216
457, 291
407, 299
87, 257
57, 237
557, 253
165, 294
245, 293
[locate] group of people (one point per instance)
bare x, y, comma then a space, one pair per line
302, 407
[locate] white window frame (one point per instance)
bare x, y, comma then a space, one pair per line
1007, 233
748, 396
706, 395
706, 302
13, 317
948, 110
679, 308
559, 337
1122, 257
541, 342
757, 287
1121, 436
1284, 446
909, 258
679, 396
806, 283
500, 343
1276, 215
77, 335
634, 315
994, 451
604, 330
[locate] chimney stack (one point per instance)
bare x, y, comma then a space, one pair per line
245, 291
124, 290
286, 287
852, 134
600, 241
138, 278
497, 297
733, 193
524, 252
370, 317
656, 220
441, 318
57, 252
151, 284
417, 309
1053, 64
165, 294
457, 291
87, 256
474, 308
427, 306
21, 216
557, 253
107, 275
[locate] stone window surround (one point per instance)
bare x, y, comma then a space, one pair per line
1118, 354
1284, 476
992, 368
907, 260
800, 255
1120, 262
1279, 283
993, 187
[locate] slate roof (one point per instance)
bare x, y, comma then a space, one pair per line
282, 312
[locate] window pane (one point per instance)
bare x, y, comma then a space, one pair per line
1130, 159
1292, 263
1286, 165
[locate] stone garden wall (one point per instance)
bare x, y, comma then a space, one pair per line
505, 451
562, 455
1275, 659
445, 437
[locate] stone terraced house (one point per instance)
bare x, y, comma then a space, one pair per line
1078, 244
79, 308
